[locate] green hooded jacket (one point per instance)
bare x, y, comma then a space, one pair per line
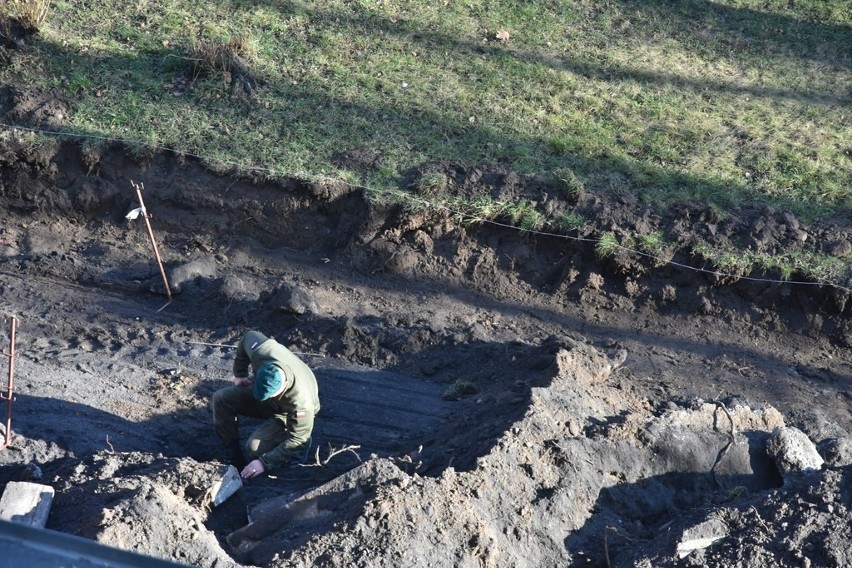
296, 407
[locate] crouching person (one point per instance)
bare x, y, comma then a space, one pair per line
282, 390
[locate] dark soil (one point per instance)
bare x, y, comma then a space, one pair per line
593, 411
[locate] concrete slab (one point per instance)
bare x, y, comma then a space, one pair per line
26, 503
226, 486
701, 536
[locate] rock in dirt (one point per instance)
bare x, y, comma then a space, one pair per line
793, 451
285, 520
729, 443
837, 452
701, 536
185, 273
804, 523
148, 504
228, 483
292, 300
239, 289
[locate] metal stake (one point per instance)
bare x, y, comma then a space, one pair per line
138, 188
8, 396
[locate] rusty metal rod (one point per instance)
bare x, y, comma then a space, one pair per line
8, 396
138, 188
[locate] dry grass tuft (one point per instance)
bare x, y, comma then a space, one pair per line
6, 28
30, 13
224, 59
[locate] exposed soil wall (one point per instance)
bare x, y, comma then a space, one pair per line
595, 412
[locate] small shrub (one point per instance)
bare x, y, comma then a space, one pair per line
387, 173
730, 261
79, 82
484, 207
562, 145
821, 267
787, 270
432, 183
532, 220
571, 221
526, 216
567, 182
348, 177
31, 14
607, 245
225, 59
653, 242
459, 389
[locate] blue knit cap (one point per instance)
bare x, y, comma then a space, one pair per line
268, 381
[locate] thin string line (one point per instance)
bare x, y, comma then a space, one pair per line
424, 202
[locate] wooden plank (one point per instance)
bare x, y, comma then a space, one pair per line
26, 503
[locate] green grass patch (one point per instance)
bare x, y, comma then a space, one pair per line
731, 102
570, 221
460, 389
808, 264
608, 245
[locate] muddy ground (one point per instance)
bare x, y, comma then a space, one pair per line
522, 402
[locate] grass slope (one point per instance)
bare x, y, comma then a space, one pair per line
730, 101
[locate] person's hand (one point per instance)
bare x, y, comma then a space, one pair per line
253, 469
242, 381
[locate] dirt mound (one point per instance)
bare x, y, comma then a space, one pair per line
31, 107
509, 397
588, 473
149, 504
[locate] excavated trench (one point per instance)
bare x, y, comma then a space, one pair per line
494, 397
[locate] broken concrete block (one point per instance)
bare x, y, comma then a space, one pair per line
701, 536
26, 503
793, 451
226, 486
